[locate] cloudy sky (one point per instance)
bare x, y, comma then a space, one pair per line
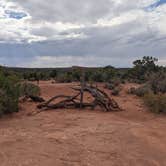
60, 33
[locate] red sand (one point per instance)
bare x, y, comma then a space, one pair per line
134, 137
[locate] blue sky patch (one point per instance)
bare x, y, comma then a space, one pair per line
156, 4
15, 15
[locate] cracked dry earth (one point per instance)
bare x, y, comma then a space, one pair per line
134, 137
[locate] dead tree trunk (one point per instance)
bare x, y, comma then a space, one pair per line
82, 89
101, 99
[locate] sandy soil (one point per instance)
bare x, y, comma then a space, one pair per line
133, 137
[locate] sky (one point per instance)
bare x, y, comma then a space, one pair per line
63, 33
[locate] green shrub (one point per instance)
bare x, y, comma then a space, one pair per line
141, 91
11, 90
156, 103
112, 84
115, 81
158, 82
97, 76
8, 94
116, 91
142, 68
28, 89
64, 78
109, 86
8, 103
53, 74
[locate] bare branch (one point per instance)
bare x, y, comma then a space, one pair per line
100, 99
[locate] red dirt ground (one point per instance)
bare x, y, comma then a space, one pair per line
134, 137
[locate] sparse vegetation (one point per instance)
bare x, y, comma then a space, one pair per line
116, 91
28, 89
14, 82
141, 91
157, 81
112, 84
8, 93
156, 103
142, 69
11, 89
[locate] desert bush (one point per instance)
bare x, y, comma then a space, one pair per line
113, 83
156, 103
28, 89
114, 86
53, 74
37, 75
109, 73
109, 86
158, 82
10, 91
64, 77
141, 91
142, 68
8, 103
97, 76
8, 94
116, 91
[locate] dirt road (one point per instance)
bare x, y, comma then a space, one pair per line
133, 137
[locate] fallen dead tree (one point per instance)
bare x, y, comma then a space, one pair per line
100, 98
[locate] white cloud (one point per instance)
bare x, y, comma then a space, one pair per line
122, 19
159, 16
58, 19
162, 62
61, 61
100, 30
